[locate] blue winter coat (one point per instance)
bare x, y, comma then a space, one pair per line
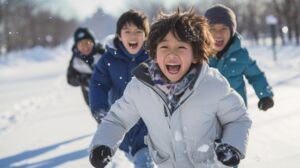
235, 64
110, 77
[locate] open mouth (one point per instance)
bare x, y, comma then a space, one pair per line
133, 45
173, 69
219, 43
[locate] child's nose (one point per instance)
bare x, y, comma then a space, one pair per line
134, 34
218, 33
172, 54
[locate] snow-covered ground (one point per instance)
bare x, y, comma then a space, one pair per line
44, 122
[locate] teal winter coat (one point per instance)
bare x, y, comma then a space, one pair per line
235, 64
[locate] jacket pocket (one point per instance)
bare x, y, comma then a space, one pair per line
157, 155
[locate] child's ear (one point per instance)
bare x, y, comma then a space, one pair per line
119, 37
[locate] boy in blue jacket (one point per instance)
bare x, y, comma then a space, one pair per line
112, 74
232, 60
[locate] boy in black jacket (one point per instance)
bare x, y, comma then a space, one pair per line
86, 53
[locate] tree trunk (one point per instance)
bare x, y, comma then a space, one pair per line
297, 32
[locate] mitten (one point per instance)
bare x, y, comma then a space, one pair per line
265, 103
100, 156
227, 154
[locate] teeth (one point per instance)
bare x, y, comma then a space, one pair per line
173, 64
173, 69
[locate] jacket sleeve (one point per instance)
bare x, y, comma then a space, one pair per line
122, 116
234, 120
72, 75
99, 86
257, 78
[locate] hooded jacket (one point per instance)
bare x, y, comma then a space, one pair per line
109, 80
184, 138
236, 63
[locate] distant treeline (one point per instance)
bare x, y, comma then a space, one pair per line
23, 25
251, 16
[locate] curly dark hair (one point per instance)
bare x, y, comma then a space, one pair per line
186, 26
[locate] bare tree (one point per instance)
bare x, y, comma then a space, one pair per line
283, 8
295, 15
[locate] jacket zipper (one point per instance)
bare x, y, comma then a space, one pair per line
167, 112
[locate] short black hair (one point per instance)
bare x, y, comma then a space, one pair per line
186, 26
131, 17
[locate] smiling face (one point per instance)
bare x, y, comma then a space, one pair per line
132, 38
221, 34
174, 57
85, 46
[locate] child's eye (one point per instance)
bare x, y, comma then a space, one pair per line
182, 47
163, 47
139, 31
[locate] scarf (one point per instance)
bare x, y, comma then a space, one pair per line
173, 91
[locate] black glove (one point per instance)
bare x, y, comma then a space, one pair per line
227, 154
100, 156
265, 103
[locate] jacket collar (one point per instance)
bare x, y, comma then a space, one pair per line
235, 45
141, 72
86, 58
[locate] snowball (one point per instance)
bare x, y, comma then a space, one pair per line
203, 148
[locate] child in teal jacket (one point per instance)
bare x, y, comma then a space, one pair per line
232, 60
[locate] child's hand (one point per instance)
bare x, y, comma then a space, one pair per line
265, 103
100, 156
226, 154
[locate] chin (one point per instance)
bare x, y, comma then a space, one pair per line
218, 49
174, 79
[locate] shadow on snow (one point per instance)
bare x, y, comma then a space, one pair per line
52, 162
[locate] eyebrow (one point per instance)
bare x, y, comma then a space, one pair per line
179, 40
